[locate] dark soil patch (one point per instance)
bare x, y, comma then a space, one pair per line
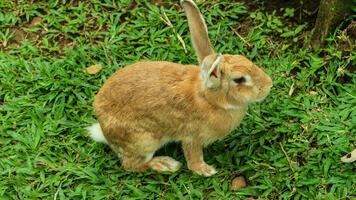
344, 79
251, 5
244, 27
126, 13
305, 11
34, 32
19, 35
348, 39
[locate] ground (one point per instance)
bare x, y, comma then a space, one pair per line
288, 146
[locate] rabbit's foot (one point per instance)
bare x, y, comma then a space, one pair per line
204, 169
164, 164
136, 163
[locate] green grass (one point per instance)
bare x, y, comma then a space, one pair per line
46, 97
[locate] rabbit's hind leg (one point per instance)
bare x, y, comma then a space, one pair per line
137, 154
141, 163
136, 163
164, 164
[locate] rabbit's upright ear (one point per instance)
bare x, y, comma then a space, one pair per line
198, 30
210, 71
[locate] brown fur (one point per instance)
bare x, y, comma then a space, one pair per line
148, 104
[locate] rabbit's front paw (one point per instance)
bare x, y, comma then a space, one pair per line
204, 169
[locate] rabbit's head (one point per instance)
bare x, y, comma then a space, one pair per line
227, 80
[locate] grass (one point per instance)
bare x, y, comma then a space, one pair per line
287, 147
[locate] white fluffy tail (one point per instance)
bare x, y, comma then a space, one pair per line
96, 133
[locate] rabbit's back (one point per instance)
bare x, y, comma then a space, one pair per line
153, 96
147, 85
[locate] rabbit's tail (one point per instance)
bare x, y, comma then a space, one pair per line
96, 133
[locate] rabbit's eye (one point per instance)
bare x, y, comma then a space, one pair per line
240, 80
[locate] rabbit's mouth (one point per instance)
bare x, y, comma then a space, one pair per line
264, 92
260, 99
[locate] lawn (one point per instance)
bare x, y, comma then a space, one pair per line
288, 146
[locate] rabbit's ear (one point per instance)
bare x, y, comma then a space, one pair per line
198, 30
211, 72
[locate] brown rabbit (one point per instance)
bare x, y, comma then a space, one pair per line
146, 105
